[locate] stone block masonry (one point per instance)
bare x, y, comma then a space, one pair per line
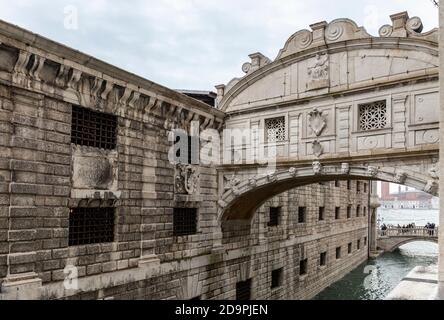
88, 194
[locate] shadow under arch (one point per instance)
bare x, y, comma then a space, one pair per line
244, 198
411, 240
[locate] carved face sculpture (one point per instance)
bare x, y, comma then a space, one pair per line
345, 169
400, 177
317, 167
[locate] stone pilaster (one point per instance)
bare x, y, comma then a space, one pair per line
399, 121
344, 128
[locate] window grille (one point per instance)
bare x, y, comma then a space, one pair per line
93, 129
276, 278
303, 267
91, 225
243, 290
373, 116
184, 221
274, 216
275, 129
302, 214
323, 259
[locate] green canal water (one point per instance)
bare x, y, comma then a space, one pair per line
376, 278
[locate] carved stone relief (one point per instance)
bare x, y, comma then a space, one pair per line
318, 72
186, 179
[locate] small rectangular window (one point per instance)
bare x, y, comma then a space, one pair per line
91, 226
358, 211
93, 129
338, 253
275, 213
365, 187
358, 186
321, 213
302, 214
348, 185
358, 245
350, 247
184, 221
276, 278
349, 212
243, 290
323, 259
365, 211
365, 241
338, 213
303, 267
337, 184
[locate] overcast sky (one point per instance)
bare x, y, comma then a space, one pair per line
193, 44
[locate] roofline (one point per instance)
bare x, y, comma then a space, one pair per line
47, 45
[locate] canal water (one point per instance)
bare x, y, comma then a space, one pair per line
375, 279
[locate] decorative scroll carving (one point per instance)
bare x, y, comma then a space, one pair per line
317, 121
345, 168
253, 182
272, 177
400, 177
386, 31
231, 182
434, 171
373, 171
431, 187
414, 25
186, 179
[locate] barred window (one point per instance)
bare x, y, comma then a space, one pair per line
243, 290
93, 129
275, 213
275, 129
276, 278
303, 267
323, 259
373, 115
184, 221
91, 225
302, 216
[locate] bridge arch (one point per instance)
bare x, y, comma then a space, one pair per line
391, 244
244, 197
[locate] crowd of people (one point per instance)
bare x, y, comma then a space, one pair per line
430, 227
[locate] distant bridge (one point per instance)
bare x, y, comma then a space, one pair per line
392, 238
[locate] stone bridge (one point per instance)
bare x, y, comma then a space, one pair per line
336, 104
391, 239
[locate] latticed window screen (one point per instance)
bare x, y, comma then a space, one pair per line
91, 225
275, 129
373, 115
184, 221
243, 290
93, 129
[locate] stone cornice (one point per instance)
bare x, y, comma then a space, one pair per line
136, 94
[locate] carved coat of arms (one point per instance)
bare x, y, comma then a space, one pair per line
317, 121
186, 179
